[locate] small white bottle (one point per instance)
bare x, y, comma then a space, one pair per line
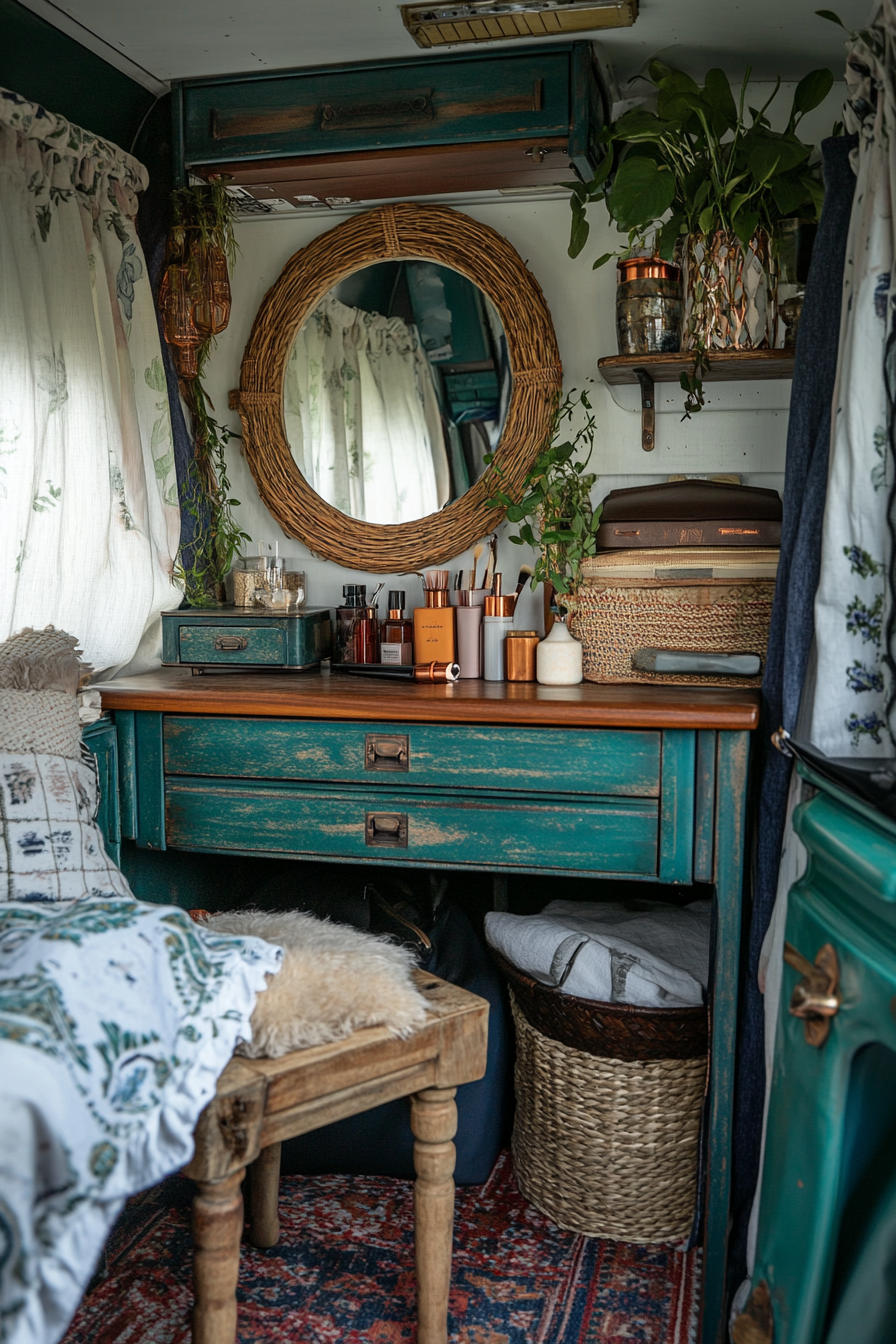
558, 658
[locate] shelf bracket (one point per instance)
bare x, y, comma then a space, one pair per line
648, 410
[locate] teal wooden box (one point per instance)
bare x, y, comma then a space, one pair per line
549, 93
245, 638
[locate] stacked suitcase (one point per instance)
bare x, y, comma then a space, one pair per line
682, 586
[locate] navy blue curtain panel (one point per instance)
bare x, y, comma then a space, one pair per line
790, 640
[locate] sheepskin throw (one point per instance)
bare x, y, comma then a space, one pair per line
334, 980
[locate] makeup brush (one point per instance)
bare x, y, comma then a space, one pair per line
477, 556
492, 562
524, 575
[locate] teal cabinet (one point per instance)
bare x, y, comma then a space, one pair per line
644, 783
826, 1245
521, 116
101, 739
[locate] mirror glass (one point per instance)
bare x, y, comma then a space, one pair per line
396, 387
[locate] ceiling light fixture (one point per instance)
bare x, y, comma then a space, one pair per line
497, 20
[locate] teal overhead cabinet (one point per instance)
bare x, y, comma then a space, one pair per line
826, 1253
397, 128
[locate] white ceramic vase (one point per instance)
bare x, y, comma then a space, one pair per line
558, 658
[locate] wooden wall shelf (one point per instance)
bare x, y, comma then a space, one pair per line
735, 366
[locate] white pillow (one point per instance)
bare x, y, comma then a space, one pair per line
51, 848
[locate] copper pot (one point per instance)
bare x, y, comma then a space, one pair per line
646, 268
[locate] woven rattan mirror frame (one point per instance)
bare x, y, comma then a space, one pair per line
431, 233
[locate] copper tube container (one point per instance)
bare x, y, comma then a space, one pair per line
436, 597
649, 306
436, 672
519, 655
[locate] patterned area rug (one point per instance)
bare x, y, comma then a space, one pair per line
344, 1271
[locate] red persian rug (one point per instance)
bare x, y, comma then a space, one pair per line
343, 1273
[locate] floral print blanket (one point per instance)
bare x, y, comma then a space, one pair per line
116, 1018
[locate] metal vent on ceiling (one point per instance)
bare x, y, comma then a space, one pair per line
497, 20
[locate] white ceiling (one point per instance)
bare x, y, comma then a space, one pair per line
174, 39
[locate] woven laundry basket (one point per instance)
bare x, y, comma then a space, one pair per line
705, 600
609, 1101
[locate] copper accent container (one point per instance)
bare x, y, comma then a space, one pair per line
500, 606
649, 306
519, 655
436, 597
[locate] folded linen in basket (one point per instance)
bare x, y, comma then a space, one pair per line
645, 953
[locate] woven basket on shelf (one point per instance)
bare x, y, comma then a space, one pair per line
618, 614
608, 1106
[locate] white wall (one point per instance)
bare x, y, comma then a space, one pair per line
743, 427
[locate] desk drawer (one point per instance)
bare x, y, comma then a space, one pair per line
263, 645
622, 763
598, 835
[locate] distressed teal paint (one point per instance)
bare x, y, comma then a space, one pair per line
733, 751
677, 807
615, 837
624, 762
469, 98
150, 781
818, 1116
194, 638
127, 772
704, 806
100, 738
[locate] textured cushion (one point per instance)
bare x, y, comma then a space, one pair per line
45, 722
334, 980
50, 848
42, 660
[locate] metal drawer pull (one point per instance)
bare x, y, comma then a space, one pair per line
229, 643
817, 998
389, 830
386, 752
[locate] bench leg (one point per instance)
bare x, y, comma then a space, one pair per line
217, 1230
264, 1191
434, 1122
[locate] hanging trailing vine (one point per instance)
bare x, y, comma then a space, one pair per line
194, 299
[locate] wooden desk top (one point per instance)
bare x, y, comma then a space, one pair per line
321, 695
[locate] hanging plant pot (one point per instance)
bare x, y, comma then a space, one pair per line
730, 295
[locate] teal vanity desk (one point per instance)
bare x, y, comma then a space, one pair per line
644, 782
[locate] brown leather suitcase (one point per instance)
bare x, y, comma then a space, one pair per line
690, 513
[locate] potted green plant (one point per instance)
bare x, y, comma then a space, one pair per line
703, 177
557, 519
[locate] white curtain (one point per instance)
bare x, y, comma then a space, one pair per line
362, 416
89, 518
848, 709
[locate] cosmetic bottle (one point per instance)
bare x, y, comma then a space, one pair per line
397, 633
496, 622
349, 617
469, 635
434, 621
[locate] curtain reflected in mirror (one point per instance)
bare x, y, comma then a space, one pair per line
396, 388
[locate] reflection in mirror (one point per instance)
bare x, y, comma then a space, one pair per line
395, 389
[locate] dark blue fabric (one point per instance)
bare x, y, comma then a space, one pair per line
790, 641
379, 1142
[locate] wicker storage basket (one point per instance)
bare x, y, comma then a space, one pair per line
608, 1108
711, 600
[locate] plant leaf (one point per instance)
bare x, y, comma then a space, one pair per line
812, 90
579, 229
641, 193
832, 18
745, 225
717, 91
708, 219
602, 261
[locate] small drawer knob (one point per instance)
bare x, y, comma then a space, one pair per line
388, 830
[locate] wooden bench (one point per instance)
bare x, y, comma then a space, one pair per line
260, 1102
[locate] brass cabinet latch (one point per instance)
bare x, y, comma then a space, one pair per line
231, 643
386, 751
816, 998
389, 830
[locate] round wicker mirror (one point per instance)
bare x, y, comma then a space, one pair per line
421, 233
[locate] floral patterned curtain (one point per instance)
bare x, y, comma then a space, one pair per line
362, 415
89, 518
